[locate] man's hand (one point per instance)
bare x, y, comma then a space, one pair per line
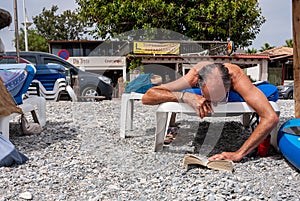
234, 156
199, 103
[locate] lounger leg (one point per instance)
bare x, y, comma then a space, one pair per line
35, 118
161, 122
123, 116
130, 110
274, 135
273, 140
173, 119
169, 123
126, 115
4, 126
40, 102
246, 119
42, 111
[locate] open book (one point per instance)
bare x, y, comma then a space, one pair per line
190, 159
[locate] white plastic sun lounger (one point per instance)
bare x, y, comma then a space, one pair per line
164, 111
30, 104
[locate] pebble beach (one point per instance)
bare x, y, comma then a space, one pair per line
80, 156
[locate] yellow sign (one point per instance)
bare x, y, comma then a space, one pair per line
155, 48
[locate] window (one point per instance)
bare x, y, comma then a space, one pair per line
32, 59
69, 68
8, 61
54, 61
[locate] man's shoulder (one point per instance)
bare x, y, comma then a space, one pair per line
231, 66
233, 69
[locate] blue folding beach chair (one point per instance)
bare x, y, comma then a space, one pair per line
17, 79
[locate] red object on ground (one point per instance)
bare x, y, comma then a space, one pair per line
264, 146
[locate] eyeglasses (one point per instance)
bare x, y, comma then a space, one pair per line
220, 102
225, 99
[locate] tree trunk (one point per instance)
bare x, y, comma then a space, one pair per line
296, 53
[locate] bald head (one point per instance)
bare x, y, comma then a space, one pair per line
216, 72
214, 81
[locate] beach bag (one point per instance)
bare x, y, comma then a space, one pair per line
142, 83
9, 155
29, 128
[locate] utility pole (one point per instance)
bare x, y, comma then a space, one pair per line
16, 30
25, 27
296, 54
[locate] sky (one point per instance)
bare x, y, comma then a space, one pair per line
275, 31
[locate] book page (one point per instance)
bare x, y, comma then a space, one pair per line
193, 159
221, 165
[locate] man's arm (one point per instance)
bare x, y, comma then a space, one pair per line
170, 92
160, 94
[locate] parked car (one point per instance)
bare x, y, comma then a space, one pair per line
286, 91
90, 84
12, 60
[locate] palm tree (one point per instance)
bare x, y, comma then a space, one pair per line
251, 51
265, 47
288, 43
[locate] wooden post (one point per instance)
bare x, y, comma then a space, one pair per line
16, 30
296, 53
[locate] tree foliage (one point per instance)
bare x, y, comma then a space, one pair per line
197, 19
251, 51
65, 26
265, 47
36, 42
289, 43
